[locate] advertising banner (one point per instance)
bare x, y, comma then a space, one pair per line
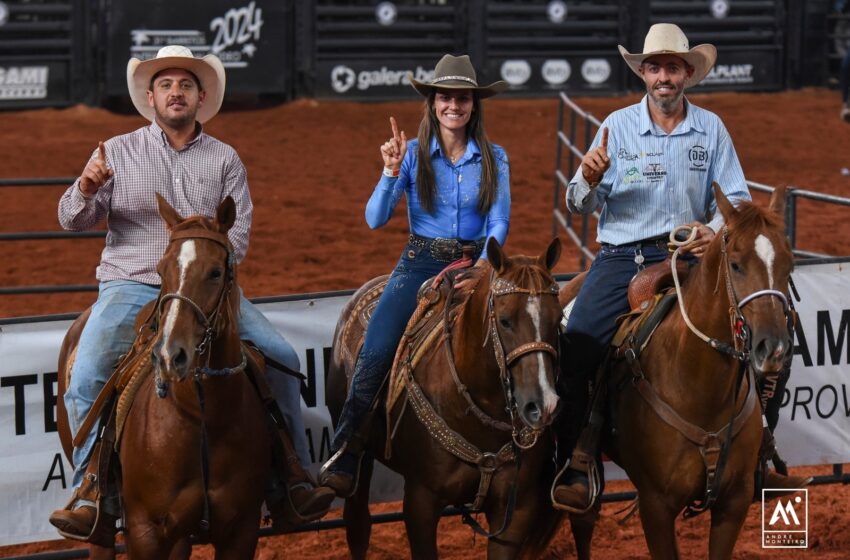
814, 426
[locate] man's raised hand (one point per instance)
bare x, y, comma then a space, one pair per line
596, 162
96, 173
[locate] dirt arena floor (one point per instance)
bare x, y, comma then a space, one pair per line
312, 165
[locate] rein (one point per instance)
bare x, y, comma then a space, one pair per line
713, 446
453, 442
212, 324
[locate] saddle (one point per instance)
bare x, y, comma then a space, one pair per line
653, 280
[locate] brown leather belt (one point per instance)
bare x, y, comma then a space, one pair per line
445, 249
659, 242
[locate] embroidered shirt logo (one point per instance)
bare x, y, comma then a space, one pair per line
698, 156
654, 172
632, 175
623, 154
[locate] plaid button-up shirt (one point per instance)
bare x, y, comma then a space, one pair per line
194, 180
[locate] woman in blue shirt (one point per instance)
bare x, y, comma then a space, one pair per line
457, 188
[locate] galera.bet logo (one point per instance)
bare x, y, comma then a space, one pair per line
784, 519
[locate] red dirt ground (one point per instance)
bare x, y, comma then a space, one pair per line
311, 167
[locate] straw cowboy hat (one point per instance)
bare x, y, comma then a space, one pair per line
209, 71
456, 72
667, 38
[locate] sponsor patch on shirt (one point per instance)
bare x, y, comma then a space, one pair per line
632, 175
654, 172
624, 154
698, 157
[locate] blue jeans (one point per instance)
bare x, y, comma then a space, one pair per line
395, 307
109, 333
603, 297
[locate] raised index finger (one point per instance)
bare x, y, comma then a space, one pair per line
101, 152
395, 127
604, 142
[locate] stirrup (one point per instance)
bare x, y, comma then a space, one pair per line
103, 529
334, 458
594, 487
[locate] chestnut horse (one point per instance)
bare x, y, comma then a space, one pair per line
695, 377
476, 405
195, 448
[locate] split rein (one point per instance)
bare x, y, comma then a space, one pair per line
209, 322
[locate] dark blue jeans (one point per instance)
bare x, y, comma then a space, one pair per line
394, 309
603, 297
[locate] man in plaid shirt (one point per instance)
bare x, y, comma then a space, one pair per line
194, 172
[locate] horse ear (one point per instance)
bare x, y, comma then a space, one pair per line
550, 258
226, 214
723, 204
496, 255
168, 213
777, 201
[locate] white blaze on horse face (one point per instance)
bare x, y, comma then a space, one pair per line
766, 252
187, 256
550, 398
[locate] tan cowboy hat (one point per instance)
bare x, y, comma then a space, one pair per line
667, 38
456, 72
209, 71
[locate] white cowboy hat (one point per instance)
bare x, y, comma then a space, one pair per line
209, 71
667, 38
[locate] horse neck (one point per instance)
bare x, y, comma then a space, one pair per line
226, 347
697, 373
473, 348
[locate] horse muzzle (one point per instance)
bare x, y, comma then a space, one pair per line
171, 360
769, 354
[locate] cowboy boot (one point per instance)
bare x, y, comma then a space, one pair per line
294, 498
573, 494
85, 517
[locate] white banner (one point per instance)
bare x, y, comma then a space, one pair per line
35, 477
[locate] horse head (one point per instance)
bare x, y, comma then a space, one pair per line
197, 303
755, 264
524, 312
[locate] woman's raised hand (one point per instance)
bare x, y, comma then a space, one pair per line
393, 150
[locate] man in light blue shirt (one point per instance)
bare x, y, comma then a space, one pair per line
650, 169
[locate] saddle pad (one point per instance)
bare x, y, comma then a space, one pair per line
637, 326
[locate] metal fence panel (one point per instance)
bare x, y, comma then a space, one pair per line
37, 62
365, 49
749, 36
541, 46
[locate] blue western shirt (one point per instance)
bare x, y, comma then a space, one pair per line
456, 212
658, 181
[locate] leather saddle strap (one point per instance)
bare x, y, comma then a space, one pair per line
691, 431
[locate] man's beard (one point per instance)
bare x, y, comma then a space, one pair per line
181, 121
668, 104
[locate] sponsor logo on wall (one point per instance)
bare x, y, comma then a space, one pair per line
232, 37
729, 74
516, 72
555, 72
596, 71
343, 78
23, 82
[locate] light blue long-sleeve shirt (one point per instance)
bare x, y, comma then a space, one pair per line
456, 212
658, 181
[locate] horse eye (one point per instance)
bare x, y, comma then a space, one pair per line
215, 274
505, 322
736, 267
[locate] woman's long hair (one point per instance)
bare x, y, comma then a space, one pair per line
426, 186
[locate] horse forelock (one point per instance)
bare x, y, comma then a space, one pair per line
526, 273
750, 220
